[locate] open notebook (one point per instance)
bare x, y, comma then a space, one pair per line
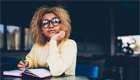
38, 73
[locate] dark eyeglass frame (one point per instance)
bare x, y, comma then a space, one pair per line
43, 22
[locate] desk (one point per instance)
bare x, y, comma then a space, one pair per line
52, 78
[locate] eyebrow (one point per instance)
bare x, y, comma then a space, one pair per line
51, 19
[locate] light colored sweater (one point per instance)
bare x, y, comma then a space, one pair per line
60, 59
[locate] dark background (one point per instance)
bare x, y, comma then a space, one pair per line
89, 18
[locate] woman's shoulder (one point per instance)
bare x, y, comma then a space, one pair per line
70, 41
36, 45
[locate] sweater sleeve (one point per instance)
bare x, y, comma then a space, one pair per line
60, 60
30, 56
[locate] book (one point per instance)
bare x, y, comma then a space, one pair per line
38, 73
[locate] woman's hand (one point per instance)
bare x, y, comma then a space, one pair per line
59, 36
21, 65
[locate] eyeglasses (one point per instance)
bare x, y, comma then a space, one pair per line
46, 23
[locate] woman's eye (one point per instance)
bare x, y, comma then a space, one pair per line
45, 22
56, 20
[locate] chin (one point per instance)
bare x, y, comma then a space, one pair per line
52, 35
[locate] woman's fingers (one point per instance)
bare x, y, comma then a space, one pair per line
62, 35
26, 63
21, 65
58, 36
22, 69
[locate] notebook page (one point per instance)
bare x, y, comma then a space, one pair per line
40, 72
13, 73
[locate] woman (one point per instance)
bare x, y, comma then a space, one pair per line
52, 49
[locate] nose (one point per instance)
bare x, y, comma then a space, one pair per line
51, 25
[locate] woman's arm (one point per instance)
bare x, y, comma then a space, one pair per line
60, 60
29, 57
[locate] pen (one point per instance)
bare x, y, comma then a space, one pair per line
23, 62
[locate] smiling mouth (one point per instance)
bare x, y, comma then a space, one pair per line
52, 31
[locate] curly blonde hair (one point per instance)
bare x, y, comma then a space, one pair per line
60, 12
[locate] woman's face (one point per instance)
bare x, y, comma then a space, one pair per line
52, 29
